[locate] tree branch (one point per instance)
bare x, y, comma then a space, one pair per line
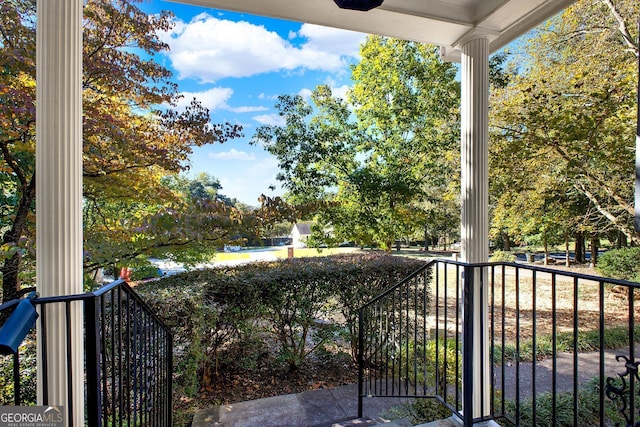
622, 26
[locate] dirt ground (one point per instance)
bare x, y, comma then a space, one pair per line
558, 300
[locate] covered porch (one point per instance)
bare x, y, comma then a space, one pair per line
467, 31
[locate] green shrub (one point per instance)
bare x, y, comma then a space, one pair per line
203, 320
587, 403
359, 278
219, 316
420, 366
27, 353
427, 410
620, 263
502, 256
293, 295
178, 303
438, 378
614, 338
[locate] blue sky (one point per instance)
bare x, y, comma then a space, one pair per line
237, 65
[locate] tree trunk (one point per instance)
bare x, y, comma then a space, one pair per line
10, 283
621, 241
426, 239
567, 259
595, 243
546, 251
579, 248
11, 266
506, 242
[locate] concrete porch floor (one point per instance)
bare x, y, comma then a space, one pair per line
315, 408
328, 407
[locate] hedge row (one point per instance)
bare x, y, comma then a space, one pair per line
211, 310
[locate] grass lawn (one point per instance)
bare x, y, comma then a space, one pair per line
312, 252
231, 256
281, 253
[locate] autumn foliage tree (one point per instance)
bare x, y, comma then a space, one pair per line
17, 134
134, 134
562, 146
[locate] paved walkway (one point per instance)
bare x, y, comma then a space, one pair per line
521, 378
317, 408
328, 407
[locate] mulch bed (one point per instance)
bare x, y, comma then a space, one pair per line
270, 377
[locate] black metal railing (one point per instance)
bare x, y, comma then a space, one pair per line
521, 344
392, 329
128, 357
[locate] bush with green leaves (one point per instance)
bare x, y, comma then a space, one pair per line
437, 378
503, 256
587, 405
233, 315
27, 358
202, 321
294, 294
621, 263
359, 278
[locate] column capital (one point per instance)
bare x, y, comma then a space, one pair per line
453, 53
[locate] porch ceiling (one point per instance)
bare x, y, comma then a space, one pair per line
446, 23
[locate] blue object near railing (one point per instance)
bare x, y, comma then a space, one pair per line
18, 325
21, 320
128, 355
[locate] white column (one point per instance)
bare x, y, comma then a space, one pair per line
474, 154
475, 198
59, 191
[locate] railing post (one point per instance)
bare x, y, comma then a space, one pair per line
467, 346
360, 360
92, 354
17, 398
169, 378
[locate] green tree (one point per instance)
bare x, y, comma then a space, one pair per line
563, 128
370, 159
189, 226
406, 101
125, 153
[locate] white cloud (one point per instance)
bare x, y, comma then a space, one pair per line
340, 91
270, 119
306, 94
334, 40
232, 154
214, 99
248, 109
265, 96
209, 49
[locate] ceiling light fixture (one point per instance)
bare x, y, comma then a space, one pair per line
363, 5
